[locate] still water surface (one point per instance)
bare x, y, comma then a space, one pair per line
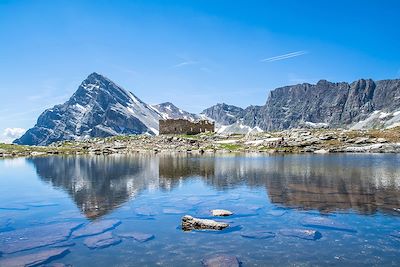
150, 194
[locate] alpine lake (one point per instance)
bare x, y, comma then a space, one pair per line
126, 210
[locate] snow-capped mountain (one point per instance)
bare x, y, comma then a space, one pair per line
168, 110
99, 108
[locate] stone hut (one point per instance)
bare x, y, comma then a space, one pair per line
181, 126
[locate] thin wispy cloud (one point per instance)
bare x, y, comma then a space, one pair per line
185, 63
285, 56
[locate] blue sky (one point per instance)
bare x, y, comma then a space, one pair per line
192, 53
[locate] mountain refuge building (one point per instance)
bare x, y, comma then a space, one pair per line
182, 126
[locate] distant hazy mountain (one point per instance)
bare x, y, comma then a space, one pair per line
99, 108
361, 104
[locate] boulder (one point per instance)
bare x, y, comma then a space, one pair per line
190, 223
306, 234
221, 261
219, 212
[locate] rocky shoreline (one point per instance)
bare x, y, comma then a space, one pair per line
319, 141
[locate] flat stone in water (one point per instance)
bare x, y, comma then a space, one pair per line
35, 259
95, 228
140, 237
221, 261
172, 211
301, 233
258, 234
35, 237
101, 241
326, 223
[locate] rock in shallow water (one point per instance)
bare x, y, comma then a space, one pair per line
191, 223
34, 259
301, 233
221, 261
95, 228
140, 237
35, 237
258, 234
220, 212
326, 223
101, 241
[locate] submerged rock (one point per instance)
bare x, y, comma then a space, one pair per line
14, 207
191, 223
41, 204
5, 225
219, 212
326, 223
172, 211
96, 228
395, 234
301, 233
101, 241
222, 260
277, 213
258, 234
36, 237
34, 259
144, 211
140, 237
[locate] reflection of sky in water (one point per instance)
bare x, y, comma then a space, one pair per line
270, 193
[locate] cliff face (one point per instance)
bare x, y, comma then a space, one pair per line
326, 103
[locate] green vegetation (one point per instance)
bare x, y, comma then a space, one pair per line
232, 147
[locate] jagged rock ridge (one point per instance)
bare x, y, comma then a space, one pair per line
361, 104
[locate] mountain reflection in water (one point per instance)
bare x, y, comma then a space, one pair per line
99, 184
